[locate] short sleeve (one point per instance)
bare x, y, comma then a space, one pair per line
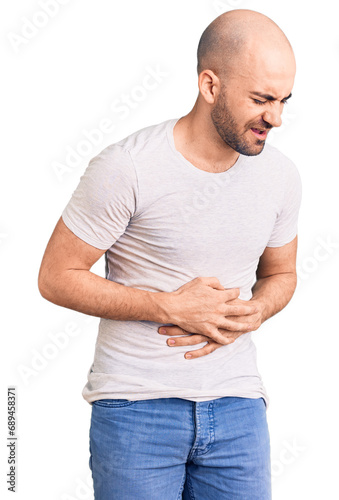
286, 224
105, 199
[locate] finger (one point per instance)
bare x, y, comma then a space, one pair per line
211, 281
250, 319
231, 294
235, 326
216, 335
230, 335
207, 349
238, 301
187, 340
171, 330
240, 310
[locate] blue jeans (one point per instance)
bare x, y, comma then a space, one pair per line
171, 449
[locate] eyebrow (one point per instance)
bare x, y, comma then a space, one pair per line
270, 97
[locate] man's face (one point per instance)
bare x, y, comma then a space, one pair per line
251, 102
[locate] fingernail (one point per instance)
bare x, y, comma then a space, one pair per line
171, 341
188, 356
162, 330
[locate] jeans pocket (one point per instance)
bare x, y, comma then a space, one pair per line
113, 403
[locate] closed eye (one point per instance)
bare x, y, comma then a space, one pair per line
284, 101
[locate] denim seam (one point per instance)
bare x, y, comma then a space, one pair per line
181, 489
190, 487
90, 453
196, 415
98, 402
208, 446
211, 423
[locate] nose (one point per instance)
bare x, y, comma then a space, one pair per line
273, 116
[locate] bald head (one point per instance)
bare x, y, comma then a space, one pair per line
225, 40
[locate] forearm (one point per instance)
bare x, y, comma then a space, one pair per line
86, 292
273, 293
197, 306
65, 278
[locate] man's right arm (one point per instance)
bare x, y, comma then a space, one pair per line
199, 306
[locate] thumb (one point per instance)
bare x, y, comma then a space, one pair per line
231, 293
214, 283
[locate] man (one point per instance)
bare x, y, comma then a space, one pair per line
189, 213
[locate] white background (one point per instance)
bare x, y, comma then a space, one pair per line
64, 80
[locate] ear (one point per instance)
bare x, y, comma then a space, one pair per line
209, 86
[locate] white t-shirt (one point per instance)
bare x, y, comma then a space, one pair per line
164, 222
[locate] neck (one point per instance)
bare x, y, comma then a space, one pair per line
196, 138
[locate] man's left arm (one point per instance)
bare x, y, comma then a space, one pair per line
276, 279
274, 288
